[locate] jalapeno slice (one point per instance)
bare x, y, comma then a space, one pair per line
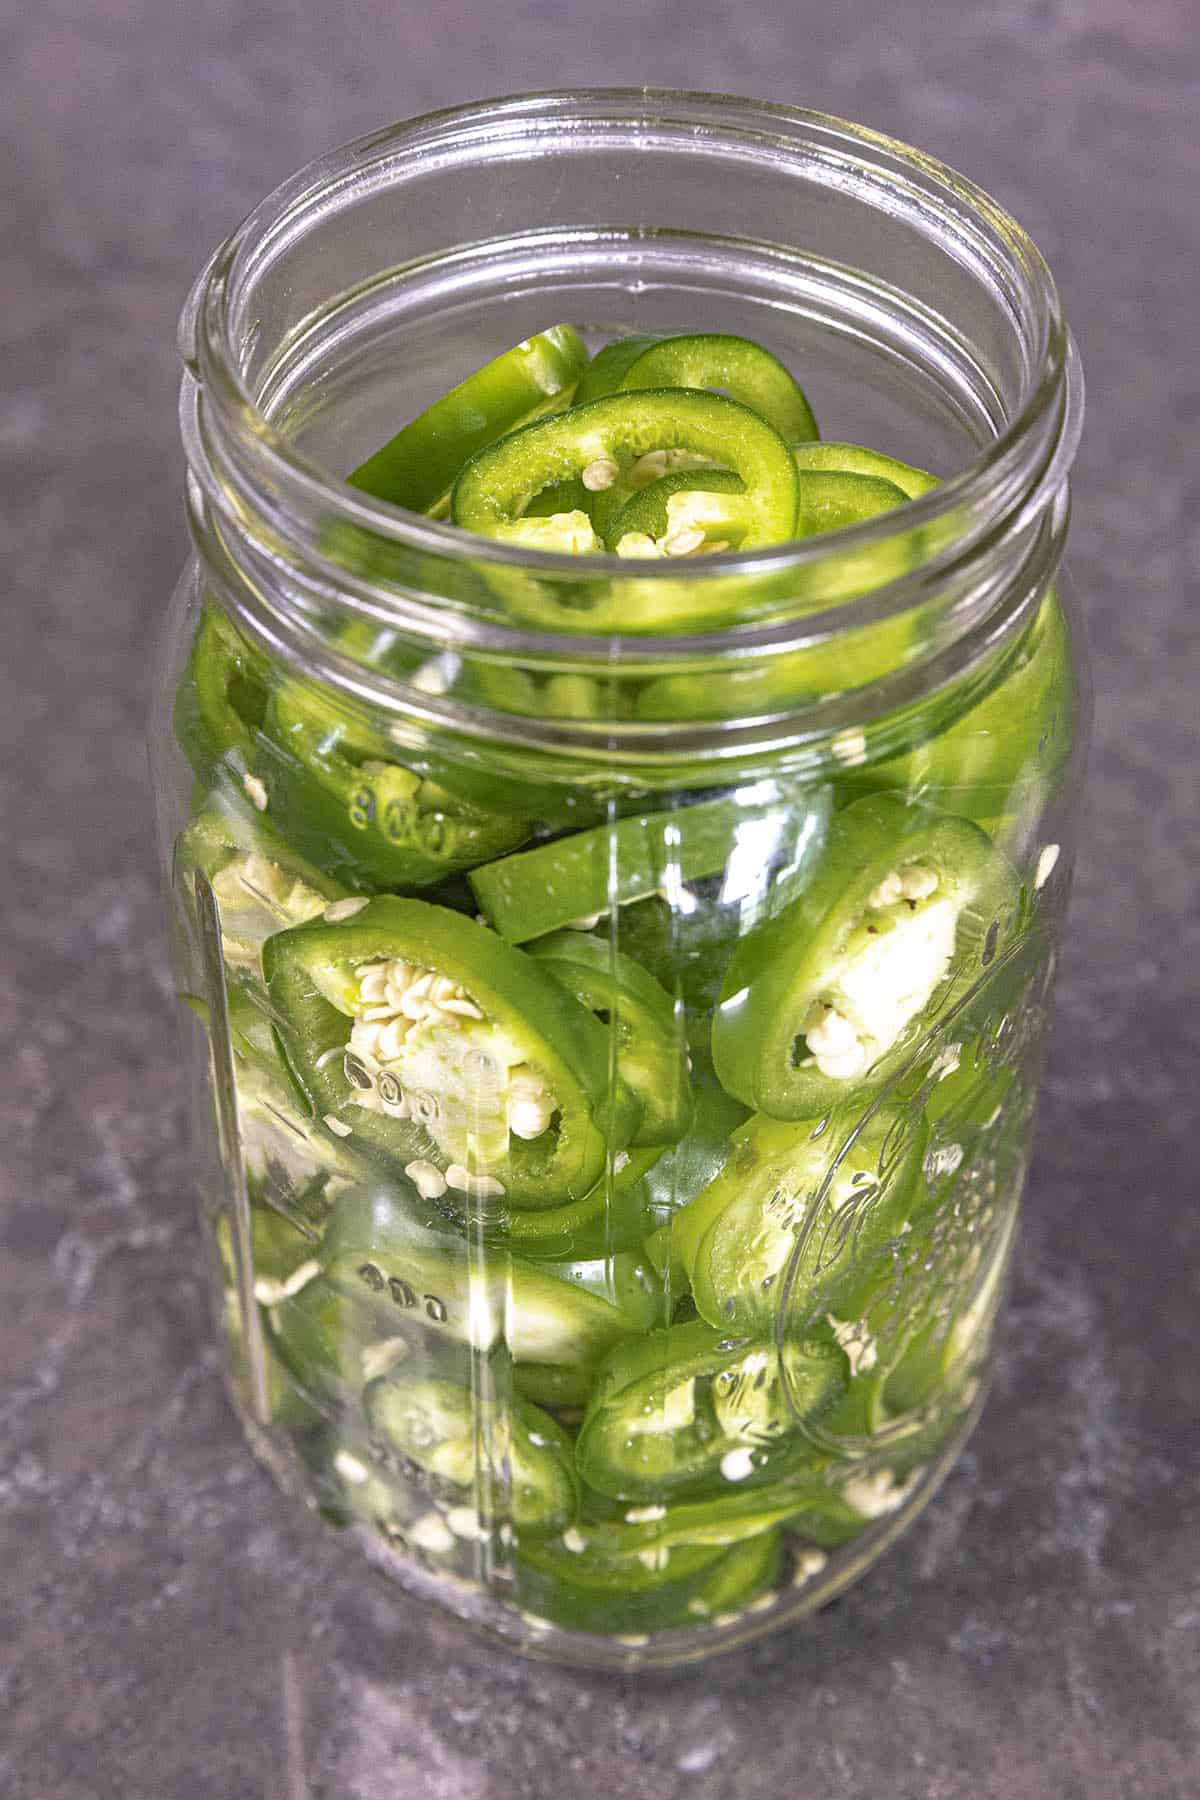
408, 1269
424, 1037
582, 877
509, 1457
706, 507
261, 885
816, 1201
596, 1584
628, 1000
495, 488
221, 700
855, 459
690, 1409
996, 761
632, 1591
905, 911
743, 369
342, 800
417, 467
603, 374
612, 1217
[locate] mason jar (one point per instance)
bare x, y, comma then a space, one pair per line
616, 990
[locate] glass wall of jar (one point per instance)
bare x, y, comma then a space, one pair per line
617, 987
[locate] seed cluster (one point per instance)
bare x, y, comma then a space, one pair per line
395, 997
831, 1037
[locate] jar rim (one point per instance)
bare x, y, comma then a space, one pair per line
1015, 478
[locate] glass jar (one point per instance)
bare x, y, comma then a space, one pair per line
608, 1226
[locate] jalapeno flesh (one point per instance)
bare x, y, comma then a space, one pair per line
417, 467
495, 488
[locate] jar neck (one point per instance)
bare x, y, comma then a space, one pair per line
289, 325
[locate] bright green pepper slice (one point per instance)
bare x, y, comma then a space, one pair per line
583, 876
800, 1200
821, 1005
417, 467
495, 488
345, 803
501, 1082
626, 1592
604, 373
637, 1589
854, 459
996, 762
259, 882
631, 1003
714, 502
610, 1218
411, 1270
688, 1410
221, 700
333, 1343
508, 1457
743, 369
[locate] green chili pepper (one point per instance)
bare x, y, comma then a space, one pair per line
417, 467
623, 996
713, 502
259, 882
583, 876
996, 761
853, 459
818, 1201
426, 1038
351, 806
906, 910
744, 370
687, 1410
496, 486
410, 1271
221, 701
509, 1457
604, 373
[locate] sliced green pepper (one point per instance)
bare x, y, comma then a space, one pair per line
743, 369
510, 1457
801, 1200
650, 1057
495, 488
343, 801
832, 499
996, 762
426, 1037
259, 882
641, 1589
612, 1217
821, 1005
410, 1271
221, 701
579, 878
603, 374
853, 459
686, 1410
417, 467
635, 1592
334, 1342
712, 502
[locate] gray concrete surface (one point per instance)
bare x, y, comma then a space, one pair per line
169, 1629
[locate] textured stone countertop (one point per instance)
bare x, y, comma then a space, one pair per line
169, 1628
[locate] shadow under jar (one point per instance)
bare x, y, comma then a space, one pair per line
559, 1247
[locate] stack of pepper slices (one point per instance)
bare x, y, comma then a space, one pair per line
541, 1095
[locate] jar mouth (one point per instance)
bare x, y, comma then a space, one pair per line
246, 465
